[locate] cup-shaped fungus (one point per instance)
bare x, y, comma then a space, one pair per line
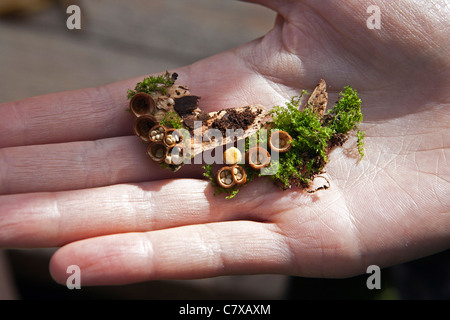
143, 125
232, 156
239, 174
141, 104
157, 133
172, 137
157, 152
225, 177
258, 158
280, 141
175, 155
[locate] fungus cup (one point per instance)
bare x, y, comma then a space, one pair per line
157, 152
143, 125
225, 177
142, 104
232, 156
175, 155
239, 174
258, 158
173, 137
280, 141
157, 133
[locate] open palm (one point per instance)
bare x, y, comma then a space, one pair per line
73, 175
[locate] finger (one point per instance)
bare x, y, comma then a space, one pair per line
97, 113
54, 219
77, 115
197, 251
79, 165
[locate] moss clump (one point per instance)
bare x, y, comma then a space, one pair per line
308, 153
346, 114
172, 120
314, 135
360, 142
154, 84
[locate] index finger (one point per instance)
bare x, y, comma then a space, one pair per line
222, 81
99, 112
78, 115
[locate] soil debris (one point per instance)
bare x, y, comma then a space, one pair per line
235, 119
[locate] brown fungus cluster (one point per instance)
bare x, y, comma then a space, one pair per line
162, 110
164, 142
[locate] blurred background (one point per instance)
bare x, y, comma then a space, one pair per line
123, 39
118, 40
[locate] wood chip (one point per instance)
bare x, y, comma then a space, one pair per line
319, 98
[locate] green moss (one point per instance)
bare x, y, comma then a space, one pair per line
172, 119
347, 115
154, 84
313, 137
347, 112
308, 153
360, 142
208, 173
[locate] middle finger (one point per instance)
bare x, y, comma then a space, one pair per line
79, 165
55, 218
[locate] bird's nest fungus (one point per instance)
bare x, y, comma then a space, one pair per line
288, 144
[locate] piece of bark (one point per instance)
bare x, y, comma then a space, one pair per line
201, 141
319, 98
186, 105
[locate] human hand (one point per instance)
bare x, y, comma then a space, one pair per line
73, 175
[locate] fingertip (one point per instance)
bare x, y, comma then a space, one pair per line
56, 268
105, 260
